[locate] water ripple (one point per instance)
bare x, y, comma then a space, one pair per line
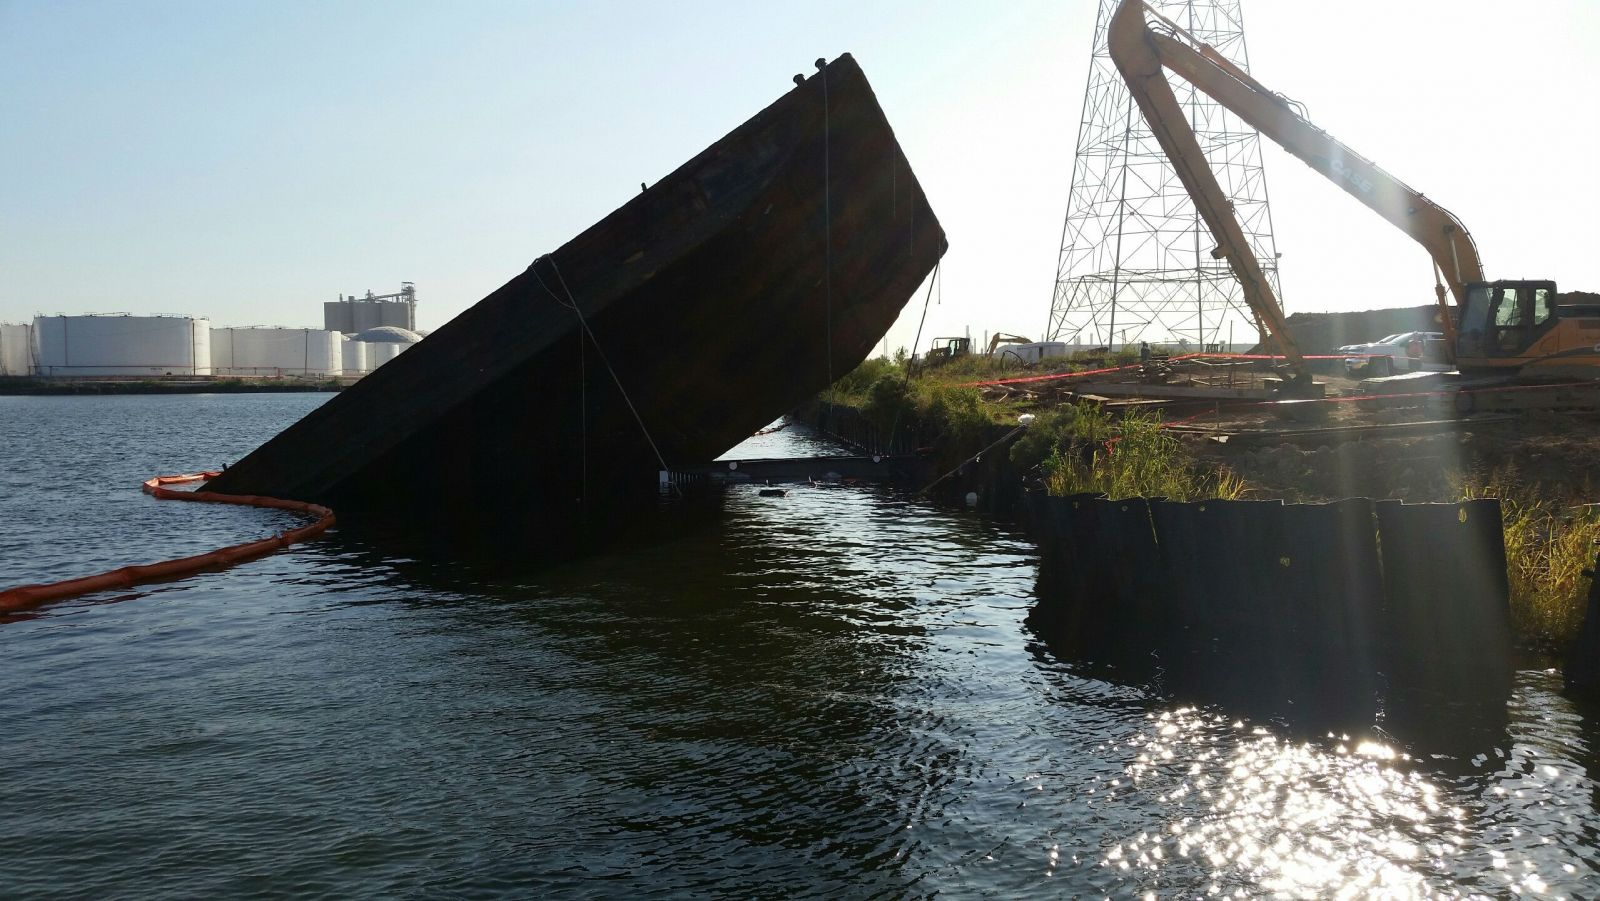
834, 693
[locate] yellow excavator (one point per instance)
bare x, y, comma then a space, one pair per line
1523, 327
1002, 338
945, 349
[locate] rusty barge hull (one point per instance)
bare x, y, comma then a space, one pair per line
713, 302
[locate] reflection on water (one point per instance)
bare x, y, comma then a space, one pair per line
1246, 809
830, 693
1347, 817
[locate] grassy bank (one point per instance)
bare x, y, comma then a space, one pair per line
1079, 449
937, 406
1551, 538
1071, 449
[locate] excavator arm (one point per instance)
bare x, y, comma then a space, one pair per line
1002, 338
1140, 52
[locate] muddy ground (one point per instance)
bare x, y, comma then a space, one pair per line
1558, 452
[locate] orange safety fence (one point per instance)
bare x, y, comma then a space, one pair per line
27, 597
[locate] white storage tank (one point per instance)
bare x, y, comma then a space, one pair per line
379, 354
277, 352
16, 349
354, 357
386, 342
119, 344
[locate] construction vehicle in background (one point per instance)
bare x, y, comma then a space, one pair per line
946, 349
1523, 327
1026, 352
1002, 338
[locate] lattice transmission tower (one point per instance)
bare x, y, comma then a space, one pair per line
1135, 262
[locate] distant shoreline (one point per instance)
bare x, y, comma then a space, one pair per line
30, 385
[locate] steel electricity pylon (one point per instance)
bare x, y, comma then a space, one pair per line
1135, 261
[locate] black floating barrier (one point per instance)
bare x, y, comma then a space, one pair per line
1240, 558
1332, 591
1582, 669
1075, 573
1190, 589
1446, 599
1041, 526
1138, 585
1313, 605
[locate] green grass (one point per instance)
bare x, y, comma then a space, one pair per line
1133, 457
1550, 540
934, 402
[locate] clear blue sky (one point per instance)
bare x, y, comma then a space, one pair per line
248, 160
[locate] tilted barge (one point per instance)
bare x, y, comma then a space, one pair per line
702, 309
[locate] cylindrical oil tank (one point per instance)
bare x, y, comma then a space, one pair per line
379, 354
16, 349
385, 342
276, 352
122, 345
354, 357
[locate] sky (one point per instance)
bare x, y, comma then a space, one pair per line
247, 161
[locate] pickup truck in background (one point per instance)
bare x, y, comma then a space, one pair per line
1405, 352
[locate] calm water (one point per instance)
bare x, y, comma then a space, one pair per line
833, 693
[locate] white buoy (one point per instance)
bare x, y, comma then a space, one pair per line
972, 498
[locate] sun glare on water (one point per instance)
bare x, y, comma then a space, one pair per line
1250, 813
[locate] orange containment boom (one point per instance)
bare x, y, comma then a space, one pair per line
27, 597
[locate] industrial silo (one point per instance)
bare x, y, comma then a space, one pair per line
385, 342
16, 349
276, 352
122, 345
354, 356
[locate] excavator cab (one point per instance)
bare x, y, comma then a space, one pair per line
1528, 327
1502, 320
946, 349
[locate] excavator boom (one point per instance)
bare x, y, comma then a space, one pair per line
1002, 338
1141, 51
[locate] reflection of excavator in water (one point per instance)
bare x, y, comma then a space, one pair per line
1521, 327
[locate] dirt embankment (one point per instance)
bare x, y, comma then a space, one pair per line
1558, 453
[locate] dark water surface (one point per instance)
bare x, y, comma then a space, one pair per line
833, 693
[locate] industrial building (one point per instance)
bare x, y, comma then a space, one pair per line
375, 329
275, 352
350, 315
121, 345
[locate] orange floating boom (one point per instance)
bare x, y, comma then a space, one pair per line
28, 597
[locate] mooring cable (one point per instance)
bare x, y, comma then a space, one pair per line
572, 304
905, 383
999, 441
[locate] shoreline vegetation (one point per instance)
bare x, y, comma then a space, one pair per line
1551, 525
